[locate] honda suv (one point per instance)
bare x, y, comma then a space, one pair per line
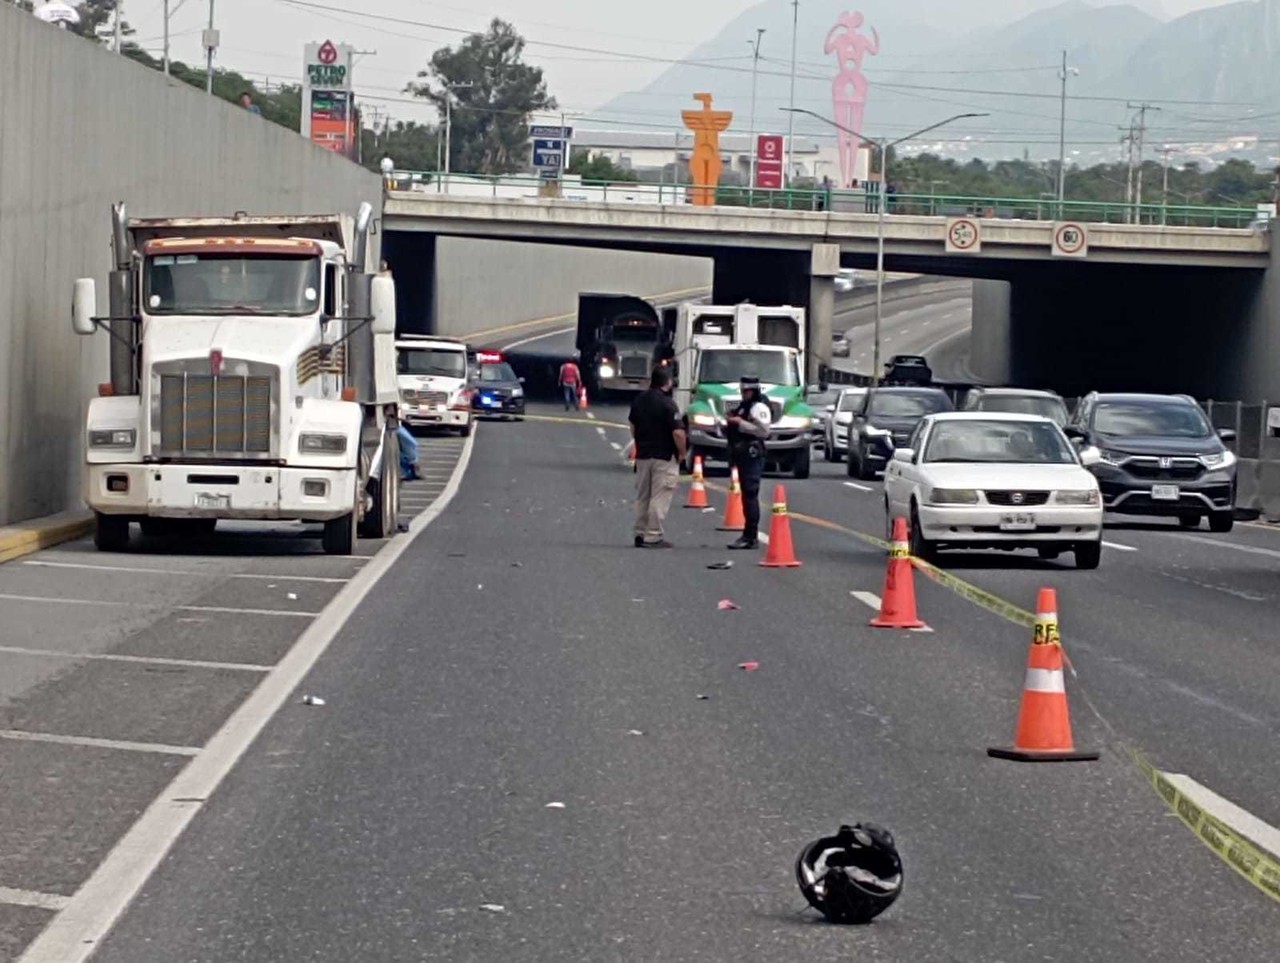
1159, 456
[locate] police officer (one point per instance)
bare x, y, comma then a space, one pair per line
746, 431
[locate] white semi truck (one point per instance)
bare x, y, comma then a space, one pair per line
252, 377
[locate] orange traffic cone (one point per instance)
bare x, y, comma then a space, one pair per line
582, 398
735, 519
780, 553
898, 603
698, 490
1044, 722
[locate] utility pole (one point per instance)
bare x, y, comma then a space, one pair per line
1127, 140
791, 103
1142, 130
1164, 152
166, 37
210, 45
115, 29
1062, 132
751, 141
448, 123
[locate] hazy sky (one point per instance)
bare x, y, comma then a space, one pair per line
264, 38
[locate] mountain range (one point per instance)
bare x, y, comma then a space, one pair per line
1208, 74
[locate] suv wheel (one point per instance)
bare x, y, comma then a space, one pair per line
1222, 521
1189, 521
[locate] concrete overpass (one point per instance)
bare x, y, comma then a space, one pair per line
1167, 308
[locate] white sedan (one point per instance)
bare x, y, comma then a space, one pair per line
973, 479
835, 443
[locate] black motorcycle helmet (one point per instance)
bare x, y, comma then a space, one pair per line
853, 876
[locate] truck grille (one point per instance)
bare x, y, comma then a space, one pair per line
215, 413
424, 397
635, 368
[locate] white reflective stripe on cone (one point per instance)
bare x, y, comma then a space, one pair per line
1044, 680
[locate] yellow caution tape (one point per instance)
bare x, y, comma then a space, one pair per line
584, 422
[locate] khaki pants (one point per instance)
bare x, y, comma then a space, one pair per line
656, 483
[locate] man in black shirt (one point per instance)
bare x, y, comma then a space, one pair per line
660, 440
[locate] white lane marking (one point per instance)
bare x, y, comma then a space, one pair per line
861, 488
73, 935
142, 659
292, 613
615, 446
872, 601
26, 897
158, 747
591, 415
1241, 820
601, 432
1118, 547
539, 337
954, 335
1248, 549
185, 574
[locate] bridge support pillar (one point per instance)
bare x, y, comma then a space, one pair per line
823, 267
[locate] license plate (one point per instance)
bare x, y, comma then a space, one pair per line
1017, 523
1166, 493
205, 500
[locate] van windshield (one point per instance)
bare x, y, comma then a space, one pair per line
432, 362
231, 284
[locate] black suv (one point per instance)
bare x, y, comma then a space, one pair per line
1160, 456
908, 369
885, 421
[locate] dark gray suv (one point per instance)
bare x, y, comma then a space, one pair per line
1160, 457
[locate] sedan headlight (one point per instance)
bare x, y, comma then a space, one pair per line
1218, 459
322, 443
953, 496
112, 438
606, 371
1089, 496
704, 421
517, 392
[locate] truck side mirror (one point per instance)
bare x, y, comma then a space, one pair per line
382, 305
84, 303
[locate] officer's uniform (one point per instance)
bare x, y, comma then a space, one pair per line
746, 452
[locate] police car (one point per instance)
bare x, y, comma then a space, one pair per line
497, 391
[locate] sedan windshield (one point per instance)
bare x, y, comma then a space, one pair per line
1052, 408
905, 404
231, 284
1138, 419
1012, 442
438, 362
771, 367
496, 372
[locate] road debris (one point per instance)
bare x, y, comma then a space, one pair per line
310, 700
635, 732
749, 666
720, 566
554, 805
493, 907
727, 605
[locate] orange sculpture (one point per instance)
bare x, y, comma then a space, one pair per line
705, 165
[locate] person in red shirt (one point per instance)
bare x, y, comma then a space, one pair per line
570, 383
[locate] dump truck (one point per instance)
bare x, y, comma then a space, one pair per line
253, 376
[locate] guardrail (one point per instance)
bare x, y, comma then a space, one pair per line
819, 200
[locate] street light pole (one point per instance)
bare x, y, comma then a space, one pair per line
210, 39
1062, 133
166, 38
448, 126
882, 148
791, 108
751, 142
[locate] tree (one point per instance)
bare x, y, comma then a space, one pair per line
493, 93
97, 20
413, 147
598, 167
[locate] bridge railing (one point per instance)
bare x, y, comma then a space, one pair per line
842, 201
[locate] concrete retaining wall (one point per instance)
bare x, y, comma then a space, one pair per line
80, 128
483, 284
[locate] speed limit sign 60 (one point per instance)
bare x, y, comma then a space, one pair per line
1070, 239
964, 235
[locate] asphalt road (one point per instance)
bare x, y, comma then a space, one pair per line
521, 654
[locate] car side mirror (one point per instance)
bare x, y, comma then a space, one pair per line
1074, 433
522, 381
1227, 434
84, 303
1090, 456
903, 454
829, 408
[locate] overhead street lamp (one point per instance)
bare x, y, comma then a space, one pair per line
882, 147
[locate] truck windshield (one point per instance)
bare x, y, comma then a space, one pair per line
231, 284
631, 334
439, 362
771, 367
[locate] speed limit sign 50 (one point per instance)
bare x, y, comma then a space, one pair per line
964, 235
1070, 239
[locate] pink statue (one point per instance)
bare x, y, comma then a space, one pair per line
849, 88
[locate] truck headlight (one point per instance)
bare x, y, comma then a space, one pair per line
794, 421
606, 371
322, 443
704, 421
113, 438
953, 496
1089, 497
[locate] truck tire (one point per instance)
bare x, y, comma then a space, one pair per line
111, 532
800, 465
155, 527
380, 522
465, 429
340, 533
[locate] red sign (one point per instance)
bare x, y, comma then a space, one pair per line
328, 53
769, 161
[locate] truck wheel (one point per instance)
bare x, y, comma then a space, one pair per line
111, 532
380, 522
340, 533
800, 466
155, 527
465, 429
